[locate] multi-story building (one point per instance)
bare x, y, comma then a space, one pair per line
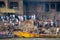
11, 6
43, 9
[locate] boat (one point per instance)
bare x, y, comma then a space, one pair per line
32, 35
25, 34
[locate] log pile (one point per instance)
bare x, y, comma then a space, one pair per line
28, 26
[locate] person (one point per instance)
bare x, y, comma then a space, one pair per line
36, 23
52, 23
57, 31
42, 31
21, 18
40, 24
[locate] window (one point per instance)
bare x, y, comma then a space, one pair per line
58, 6
13, 5
46, 7
52, 5
2, 4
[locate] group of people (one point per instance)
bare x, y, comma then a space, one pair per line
45, 26
13, 23
45, 23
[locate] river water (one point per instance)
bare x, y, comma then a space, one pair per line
32, 39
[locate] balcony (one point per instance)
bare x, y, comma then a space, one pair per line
7, 10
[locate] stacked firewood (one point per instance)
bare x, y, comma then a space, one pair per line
28, 26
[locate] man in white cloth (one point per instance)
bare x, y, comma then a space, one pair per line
57, 31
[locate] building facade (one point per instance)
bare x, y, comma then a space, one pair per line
43, 9
17, 5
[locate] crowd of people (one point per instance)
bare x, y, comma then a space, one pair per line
48, 26
11, 23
